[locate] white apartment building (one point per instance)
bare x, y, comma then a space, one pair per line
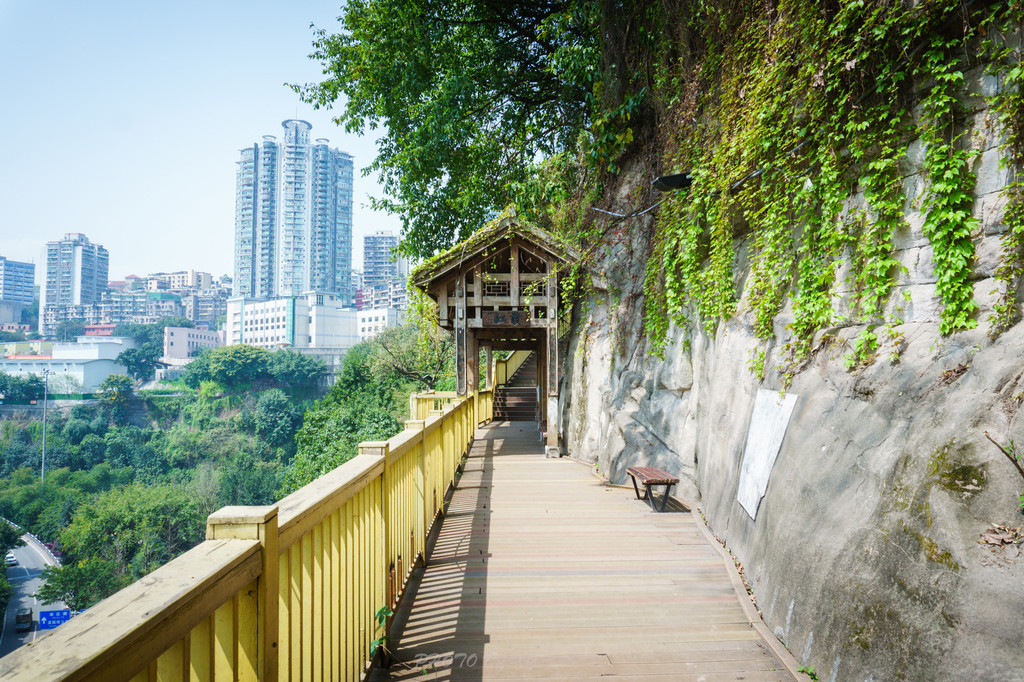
374, 321
314, 320
76, 275
190, 279
82, 365
184, 343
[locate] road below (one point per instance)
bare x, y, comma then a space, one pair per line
24, 578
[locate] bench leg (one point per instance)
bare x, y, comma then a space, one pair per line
635, 488
664, 500
651, 498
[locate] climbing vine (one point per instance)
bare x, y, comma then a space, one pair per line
949, 201
799, 120
1008, 106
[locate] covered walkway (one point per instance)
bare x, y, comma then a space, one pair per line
540, 571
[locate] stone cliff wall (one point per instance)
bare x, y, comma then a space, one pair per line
864, 556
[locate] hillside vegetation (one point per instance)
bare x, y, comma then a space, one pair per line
130, 479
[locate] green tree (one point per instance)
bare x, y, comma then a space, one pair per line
237, 366
81, 584
21, 388
198, 371
292, 368
93, 449
75, 430
142, 361
67, 330
424, 359
275, 419
469, 93
360, 406
10, 537
246, 480
115, 392
137, 527
139, 362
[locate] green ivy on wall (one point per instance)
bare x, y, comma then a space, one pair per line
1008, 106
819, 103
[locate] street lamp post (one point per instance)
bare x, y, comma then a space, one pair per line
46, 386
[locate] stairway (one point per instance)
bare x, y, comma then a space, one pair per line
516, 401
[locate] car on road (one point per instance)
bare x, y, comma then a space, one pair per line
11, 559
23, 620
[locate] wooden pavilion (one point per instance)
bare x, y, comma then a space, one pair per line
499, 290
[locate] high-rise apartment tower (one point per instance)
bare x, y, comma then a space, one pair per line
17, 281
76, 272
381, 265
293, 217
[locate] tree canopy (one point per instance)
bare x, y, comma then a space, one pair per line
360, 406
239, 366
67, 330
20, 388
423, 357
115, 392
141, 362
473, 93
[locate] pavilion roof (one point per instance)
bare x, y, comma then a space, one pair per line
490, 239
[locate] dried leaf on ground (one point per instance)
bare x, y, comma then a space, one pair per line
999, 536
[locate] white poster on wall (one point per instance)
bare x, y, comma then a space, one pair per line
768, 423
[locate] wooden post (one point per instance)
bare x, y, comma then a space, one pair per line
490, 369
542, 379
551, 396
514, 285
461, 342
256, 523
472, 363
478, 291
442, 304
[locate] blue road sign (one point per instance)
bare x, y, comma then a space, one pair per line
51, 619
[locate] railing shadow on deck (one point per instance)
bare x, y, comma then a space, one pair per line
287, 591
451, 637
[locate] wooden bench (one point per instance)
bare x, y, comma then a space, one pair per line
649, 476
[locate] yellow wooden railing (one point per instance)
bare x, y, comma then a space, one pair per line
422, 404
504, 369
281, 592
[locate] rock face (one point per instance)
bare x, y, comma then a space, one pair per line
864, 556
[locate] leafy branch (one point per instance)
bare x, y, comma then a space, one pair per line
1011, 454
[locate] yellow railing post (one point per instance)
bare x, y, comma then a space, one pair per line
420, 550
254, 523
384, 543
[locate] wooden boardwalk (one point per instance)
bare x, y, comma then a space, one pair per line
542, 572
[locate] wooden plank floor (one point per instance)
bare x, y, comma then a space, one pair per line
541, 572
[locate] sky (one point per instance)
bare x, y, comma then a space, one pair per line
123, 121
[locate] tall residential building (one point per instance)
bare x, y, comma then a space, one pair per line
293, 217
17, 281
76, 275
384, 272
380, 263
76, 271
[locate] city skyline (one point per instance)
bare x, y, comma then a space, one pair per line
126, 122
